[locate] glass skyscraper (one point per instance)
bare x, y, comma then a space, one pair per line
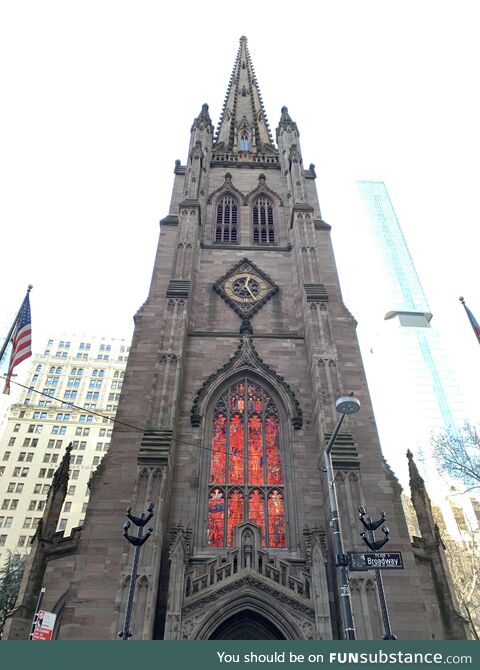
413, 389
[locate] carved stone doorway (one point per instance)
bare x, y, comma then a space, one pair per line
247, 625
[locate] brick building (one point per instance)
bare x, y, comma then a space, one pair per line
239, 353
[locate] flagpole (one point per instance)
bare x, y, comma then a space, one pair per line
472, 319
10, 332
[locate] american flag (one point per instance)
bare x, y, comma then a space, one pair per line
21, 340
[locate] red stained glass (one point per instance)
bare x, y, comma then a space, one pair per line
237, 400
245, 460
236, 473
276, 519
216, 516
274, 466
219, 449
255, 450
235, 513
256, 511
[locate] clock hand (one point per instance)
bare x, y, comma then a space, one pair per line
248, 288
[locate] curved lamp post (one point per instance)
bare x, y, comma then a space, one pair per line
345, 405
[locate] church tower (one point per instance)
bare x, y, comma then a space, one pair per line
239, 353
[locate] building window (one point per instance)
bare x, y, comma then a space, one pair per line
226, 228
244, 141
67, 507
62, 525
246, 479
263, 228
11, 442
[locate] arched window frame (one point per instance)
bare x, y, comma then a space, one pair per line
263, 220
225, 489
244, 142
226, 219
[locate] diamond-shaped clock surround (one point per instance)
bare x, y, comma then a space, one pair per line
246, 310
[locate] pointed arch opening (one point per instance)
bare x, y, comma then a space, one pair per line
247, 625
226, 225
244, 141
246, 478
263, 220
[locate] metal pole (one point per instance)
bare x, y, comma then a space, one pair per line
37, 610
381, 592
340, 558
131, 591
137, 541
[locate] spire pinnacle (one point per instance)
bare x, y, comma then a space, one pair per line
204, 117
243, 124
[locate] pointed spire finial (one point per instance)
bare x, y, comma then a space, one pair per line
203, 116
286, 121
243, 124
416, 480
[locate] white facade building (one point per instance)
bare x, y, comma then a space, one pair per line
74, 388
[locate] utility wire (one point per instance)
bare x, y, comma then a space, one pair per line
141, 430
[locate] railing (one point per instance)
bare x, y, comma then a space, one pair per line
223, 568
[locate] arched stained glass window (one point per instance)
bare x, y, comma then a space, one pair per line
246, 477
226, 226
263, 229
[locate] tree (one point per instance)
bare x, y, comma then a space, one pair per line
464, 561
457, 454
10, 578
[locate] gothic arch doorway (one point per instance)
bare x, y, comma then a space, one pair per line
247, 625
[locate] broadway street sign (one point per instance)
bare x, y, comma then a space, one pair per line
370, 560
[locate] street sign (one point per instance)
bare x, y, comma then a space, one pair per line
44, 625
371, 560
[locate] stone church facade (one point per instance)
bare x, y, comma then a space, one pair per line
239, 353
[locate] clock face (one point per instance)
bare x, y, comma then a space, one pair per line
245, 287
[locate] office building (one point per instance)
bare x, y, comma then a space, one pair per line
411, 381
72, 396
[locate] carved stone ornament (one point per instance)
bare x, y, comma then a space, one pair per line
245, 288
311, 537
246, 359
257, 584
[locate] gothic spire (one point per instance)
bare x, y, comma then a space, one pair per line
243, 124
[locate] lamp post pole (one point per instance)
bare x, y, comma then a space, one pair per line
137, 542
345, 405
369, 539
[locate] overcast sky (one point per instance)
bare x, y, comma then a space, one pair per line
97, 102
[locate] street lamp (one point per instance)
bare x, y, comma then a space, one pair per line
345, 405
138, 541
